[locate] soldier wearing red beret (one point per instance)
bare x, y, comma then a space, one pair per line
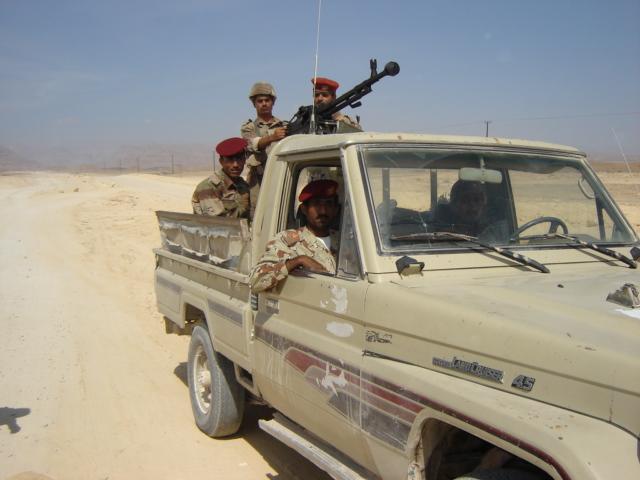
313, 247
225, 194
324, 91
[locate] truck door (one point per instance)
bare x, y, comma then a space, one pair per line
309, 336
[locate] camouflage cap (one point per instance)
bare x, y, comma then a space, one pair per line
262, 88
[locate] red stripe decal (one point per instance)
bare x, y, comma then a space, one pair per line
376, 387
391, 397
303, 361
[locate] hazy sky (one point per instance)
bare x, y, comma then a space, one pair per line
82, 72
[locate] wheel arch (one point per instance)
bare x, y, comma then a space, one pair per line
194, 311
433, 424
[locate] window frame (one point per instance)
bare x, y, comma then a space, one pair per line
288, 219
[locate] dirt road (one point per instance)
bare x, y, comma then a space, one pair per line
90, 385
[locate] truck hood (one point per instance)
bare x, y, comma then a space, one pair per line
582, 351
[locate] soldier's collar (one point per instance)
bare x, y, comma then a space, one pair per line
270, 122
307, 231
222, 177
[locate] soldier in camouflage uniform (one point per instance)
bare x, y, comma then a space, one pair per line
225, 194
313, 247
261, 133
324, 91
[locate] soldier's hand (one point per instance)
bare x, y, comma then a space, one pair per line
279, 133
305, 262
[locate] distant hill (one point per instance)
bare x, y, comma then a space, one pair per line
163, 158
13, 161
126, 158
616, 157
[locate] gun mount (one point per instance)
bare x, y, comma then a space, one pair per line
319, 120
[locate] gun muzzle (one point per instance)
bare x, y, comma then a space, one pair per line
392, 69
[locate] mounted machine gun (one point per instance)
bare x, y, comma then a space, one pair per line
319, 120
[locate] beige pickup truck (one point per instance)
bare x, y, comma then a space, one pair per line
500, 342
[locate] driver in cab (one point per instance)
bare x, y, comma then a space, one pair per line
313, 247
466, 212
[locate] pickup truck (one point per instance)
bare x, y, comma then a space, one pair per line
435, 351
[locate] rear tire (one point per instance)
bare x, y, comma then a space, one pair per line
217, 399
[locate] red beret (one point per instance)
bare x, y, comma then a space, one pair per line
231, 146
326, 82
319, 189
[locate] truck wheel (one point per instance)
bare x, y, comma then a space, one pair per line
217, 399
501, 474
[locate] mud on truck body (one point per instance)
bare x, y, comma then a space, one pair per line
431, 353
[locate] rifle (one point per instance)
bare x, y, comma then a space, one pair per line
303, 121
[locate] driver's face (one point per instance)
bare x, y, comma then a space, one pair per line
469, 205
320, 213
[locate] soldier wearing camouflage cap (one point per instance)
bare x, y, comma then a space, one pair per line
261, 133
225, 194
313, 247
324, 91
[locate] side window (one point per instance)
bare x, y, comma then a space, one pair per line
296, 219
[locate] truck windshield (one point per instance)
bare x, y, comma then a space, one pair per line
500, 197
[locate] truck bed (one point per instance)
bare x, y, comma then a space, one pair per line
202, 274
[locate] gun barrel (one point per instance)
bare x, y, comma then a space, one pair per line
356, 93
392, 69
301, 121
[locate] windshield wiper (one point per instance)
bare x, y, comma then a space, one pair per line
522, 259
577, 242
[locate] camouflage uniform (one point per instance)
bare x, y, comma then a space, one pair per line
289, 244
219, 195
252, 131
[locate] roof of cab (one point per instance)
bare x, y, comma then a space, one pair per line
305, 143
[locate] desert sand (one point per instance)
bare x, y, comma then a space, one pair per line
90, 385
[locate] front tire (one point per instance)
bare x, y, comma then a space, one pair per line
500, 474
217, 399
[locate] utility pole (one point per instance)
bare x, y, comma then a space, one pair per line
486, 132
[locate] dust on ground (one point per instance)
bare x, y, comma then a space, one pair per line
92, 387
